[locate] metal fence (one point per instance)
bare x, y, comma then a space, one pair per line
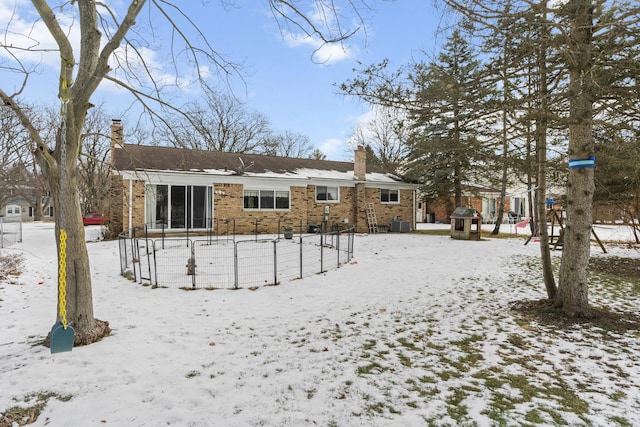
220, 263
10, 232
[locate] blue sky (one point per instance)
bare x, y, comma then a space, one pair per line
281, 79
298, 94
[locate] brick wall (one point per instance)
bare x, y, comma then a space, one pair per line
116, 204
229, 205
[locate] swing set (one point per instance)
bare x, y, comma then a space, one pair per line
555, 219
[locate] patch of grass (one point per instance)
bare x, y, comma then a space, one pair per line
620, 421
11, 265
534, 417
455, 408
23, 415
517, 340
129, 275
369, 344
409, 345
602, 320
311, 392
192, 374
617, 396
405, 360
371, 368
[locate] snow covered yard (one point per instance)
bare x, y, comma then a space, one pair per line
417, 330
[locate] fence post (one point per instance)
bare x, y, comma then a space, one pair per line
301, 252
195, 266
20, 232
1, 233
275, 262
321, 253
134, 255
155, 263
162, 223
146, 245
235, 264
338, 246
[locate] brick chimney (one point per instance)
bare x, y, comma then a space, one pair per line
360, 163
117, 136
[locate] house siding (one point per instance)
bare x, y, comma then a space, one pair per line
228, 205
136, 166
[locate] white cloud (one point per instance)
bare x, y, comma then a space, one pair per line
32, 41
333, 148
325, 53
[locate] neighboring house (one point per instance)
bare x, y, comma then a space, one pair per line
483, 199
174, 189
18, 208
486, 201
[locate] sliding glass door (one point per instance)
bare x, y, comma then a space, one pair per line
178, 206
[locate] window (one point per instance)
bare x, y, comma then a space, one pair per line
266, 199
327, 194
389, 196
13, 210
178, 206
282, 200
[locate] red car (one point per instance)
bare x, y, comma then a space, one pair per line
95, 219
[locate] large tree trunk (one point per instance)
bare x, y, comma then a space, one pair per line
63, 179
572, 297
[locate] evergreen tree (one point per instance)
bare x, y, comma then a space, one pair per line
447, 150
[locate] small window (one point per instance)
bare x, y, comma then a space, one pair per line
282, 200
250, 199
266, 199
327, 194
13, 210
389, 196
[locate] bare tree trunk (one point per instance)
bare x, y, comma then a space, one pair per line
63, 182
541, 154
572, 297
505, 142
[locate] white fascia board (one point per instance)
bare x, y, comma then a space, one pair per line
392, 185
251, 180
207, 178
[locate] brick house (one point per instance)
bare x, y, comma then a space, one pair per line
175, 189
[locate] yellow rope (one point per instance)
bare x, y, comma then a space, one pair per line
62, 280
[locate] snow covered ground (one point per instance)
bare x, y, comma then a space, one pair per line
416, 330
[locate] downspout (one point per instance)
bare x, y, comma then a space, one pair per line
130, 206
414, 222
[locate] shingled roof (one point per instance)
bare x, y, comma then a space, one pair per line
142, 157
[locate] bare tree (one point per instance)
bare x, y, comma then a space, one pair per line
386, 133
317, 154
93, 164
19, 173
220, 122
111, 47
13, 144
288, 144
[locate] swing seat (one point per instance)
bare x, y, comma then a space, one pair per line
61, 339
522, 224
